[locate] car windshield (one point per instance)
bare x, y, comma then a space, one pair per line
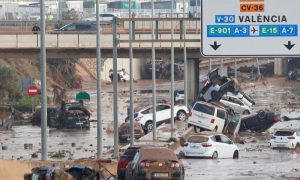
130, 153
204, 108
284, 133
197, 139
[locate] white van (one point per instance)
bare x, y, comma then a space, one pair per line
207, 116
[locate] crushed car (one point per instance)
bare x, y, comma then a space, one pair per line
217, 86
294, 75
53, 172
256, 122
124, 132
68, 115
213, 117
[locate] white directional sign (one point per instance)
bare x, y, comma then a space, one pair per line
250, 28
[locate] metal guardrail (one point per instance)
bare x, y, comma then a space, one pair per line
139, 24
89, 41
142, 36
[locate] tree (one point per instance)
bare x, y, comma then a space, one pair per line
70, 15
9, 84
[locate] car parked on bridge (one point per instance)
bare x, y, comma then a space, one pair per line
104, 18
76, 28
155, 163
163, 114
209, 144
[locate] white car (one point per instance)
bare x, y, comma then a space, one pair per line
104, 18
163, 114
248, 101
207, 116
210, 145
236, 104
286, 139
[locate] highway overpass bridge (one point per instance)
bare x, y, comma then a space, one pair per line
84, 46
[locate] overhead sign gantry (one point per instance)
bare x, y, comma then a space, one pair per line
250, 28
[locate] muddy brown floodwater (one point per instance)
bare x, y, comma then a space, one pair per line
257, 160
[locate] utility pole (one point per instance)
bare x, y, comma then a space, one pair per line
153, 74
115, 87
43, 83
172, 70
98, 59
131, 113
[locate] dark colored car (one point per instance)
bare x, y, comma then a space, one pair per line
258, 122
126, 158
155, 163
75, 28
83, 172
124, 132
48, 173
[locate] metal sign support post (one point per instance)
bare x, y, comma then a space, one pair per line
209, 64
185, 59
222, 66
131, 114
98, 59
153, 74
43, 84
172, 70
235, 68
115, 89
32, 105
258, 69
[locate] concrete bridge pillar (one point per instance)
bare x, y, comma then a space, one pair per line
280, 66
193, 79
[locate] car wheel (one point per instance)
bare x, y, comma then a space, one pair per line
261, 114
181, 155
236, 154
246, 112
181, 115
149, 126
215, 155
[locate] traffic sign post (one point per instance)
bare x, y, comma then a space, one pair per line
259, 28
33, 90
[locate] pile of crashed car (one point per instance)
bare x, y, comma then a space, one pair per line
221, 108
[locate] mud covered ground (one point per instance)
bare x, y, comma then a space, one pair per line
257, 160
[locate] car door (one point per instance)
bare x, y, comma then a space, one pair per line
219, 145
70, 27
146, 115
163, 112
227, 145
